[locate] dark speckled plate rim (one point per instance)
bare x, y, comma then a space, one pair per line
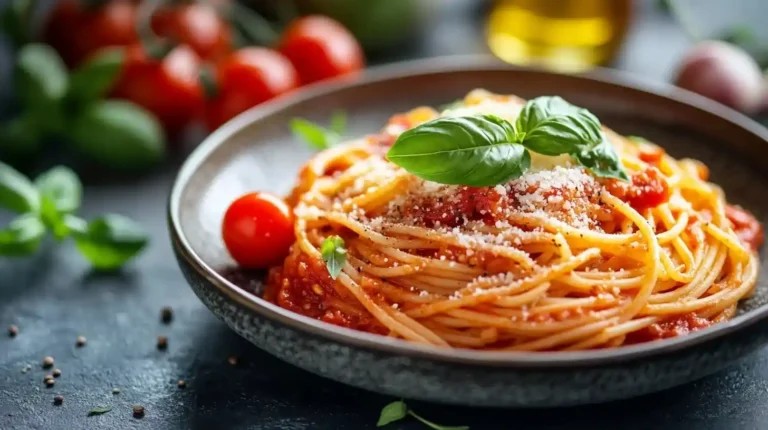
451, 64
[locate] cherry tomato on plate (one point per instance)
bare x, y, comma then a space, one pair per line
198, 25
246, 78
321, 48
76, 30
168, 87
258, 230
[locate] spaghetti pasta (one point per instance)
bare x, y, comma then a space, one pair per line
556, 259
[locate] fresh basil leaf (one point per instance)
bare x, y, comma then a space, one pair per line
334, 255
314, 135
637, 139
110, 241
95, 78
435, 426
52, 218
602, 160
119, 135
394, 411
552, 126
99, 410
472, 150
62, 186
338, 122
16, 191
22, 236
41, 82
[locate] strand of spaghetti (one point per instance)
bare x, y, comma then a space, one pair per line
652, 268
699, 275
377, 312
415, 326
728, 240
611, 332
565, 337
375, 237
513, 254
488, 295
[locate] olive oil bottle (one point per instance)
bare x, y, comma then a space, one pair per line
565, 35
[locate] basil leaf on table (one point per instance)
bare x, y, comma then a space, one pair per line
22, 236
473, 150
62, 186
16, 191
110, 241
95, 78
394, 411
334, 255
338, 122
61, 193
552, 126
602, 160
40, 83
118, 134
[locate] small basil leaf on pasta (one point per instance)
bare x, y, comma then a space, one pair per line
602, 160
334, 255
552, 126
317, 136
472, 150
394, 411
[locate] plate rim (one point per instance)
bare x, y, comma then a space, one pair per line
382, 344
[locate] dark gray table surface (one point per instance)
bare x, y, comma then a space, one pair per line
53, 298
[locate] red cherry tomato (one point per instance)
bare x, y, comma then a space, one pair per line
77, 30
167, 87
321, 48
198, 25
246, 78
258, 230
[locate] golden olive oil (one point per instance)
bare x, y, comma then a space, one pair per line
567, 35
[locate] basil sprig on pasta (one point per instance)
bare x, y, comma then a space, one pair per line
485, 150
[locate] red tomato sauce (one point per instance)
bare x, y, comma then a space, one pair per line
303, 285
747, 228
676, 326
647, 189
472, 203
651, 154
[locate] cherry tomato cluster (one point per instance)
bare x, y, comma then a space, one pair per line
199, 39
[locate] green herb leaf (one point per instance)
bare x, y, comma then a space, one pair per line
95, 78
40, 82
22, 236
119, 135
99, 410
434, 425
16, 191
15, 21
339, 122
602, 160
473, 150
313, 134
452, 105
109, 241
394, 411
334, 255
62, 186
552, 126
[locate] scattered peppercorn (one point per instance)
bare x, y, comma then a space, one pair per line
47, 362
232, 360
182, 384
13, 330
49, 381
166, 314
115, 391
56, 373
138, 411
81, 340
58, 400
162, 342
